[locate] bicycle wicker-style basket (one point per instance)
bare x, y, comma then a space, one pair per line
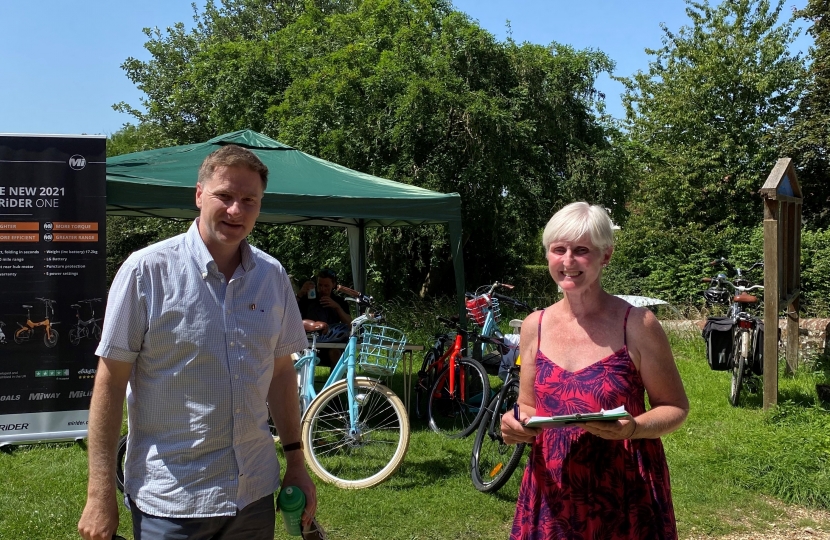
381, 348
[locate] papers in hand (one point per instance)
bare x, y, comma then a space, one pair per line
565, 419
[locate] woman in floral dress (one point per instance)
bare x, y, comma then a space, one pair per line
592, 351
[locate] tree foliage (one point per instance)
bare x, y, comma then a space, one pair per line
410, 90
703, 123
702, 118
807, 136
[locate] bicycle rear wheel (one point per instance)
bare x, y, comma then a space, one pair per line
455, 412
493, 462
738, 366
367, 457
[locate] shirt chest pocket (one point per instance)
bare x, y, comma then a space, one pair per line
257, 327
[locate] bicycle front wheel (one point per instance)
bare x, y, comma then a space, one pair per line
455, 410
738, 366
493, 462
365, 456
50, 338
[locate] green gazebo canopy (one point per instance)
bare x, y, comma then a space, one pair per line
302, 190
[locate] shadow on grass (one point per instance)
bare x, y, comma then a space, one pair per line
421, 471
797, 397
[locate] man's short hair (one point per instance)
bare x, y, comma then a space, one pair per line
327, 273
232, 155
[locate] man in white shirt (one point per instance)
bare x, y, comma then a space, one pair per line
202, 327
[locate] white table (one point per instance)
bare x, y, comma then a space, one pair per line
406, 361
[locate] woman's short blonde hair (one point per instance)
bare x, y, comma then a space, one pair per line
575, 220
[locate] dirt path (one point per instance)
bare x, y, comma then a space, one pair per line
794, 523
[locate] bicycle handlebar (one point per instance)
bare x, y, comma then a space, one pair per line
491, 288
741, 288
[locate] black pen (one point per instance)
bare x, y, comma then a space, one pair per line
516, 412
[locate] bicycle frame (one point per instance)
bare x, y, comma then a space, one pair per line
449, 357
85, 327
344, 368
24, 333
745, 331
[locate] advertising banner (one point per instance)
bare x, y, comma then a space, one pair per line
52, 283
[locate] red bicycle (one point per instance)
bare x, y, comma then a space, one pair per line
457, 385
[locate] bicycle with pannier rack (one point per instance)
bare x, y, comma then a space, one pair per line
735, 342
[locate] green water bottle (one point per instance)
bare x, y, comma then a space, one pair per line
291, 501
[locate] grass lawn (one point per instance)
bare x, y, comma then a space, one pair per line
729, 466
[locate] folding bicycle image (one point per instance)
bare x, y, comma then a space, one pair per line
50, 336
2, 335
82, 328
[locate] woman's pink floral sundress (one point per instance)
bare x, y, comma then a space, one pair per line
579, 486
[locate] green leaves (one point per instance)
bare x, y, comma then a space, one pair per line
705, 110
410, 90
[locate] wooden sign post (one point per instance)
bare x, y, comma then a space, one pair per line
782, 269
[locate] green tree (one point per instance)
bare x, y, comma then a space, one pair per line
807, 137
409, 90
703, 116
702, 123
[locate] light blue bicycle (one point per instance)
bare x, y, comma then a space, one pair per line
355, 431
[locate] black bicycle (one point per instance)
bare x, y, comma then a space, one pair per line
85, 328
746, 347
493, 462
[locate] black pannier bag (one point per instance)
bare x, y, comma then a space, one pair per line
758, 355
717, 333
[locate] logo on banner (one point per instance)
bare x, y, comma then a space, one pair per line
77, 162
86, 373
13, 427
80, 394
40, 396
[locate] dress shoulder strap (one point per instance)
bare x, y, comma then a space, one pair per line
625, 324
539, 331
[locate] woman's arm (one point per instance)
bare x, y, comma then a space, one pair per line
512, 430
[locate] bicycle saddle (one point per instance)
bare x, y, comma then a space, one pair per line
744, 298
315, 326
27, 307
75, 306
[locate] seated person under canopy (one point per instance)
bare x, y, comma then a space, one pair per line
327, 307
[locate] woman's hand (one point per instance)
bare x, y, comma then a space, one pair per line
613, 431
514, 431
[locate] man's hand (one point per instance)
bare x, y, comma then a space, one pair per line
99, 520
297, 475
307, 286
327, 301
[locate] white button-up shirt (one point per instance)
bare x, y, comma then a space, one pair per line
203, 349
